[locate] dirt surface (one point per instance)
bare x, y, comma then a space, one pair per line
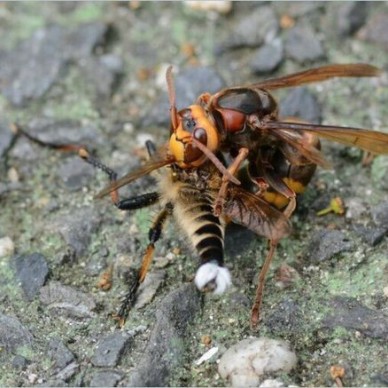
94, 73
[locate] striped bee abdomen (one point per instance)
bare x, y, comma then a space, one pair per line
206, 233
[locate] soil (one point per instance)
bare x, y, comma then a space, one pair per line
94, 73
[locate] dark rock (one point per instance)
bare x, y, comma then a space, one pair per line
77, 229
166, 346
6, 137
351, 314
149, 288
376, 30
327, 243
105, 378
380, 215
372, 236
75, 173
32, 271
193, 81
260, 26
297, 9
109, 349
351, 16
301, 103
67, 372
60, 354
189, 84
268, 57
286, 316
13, 335
20, 362
302, 45
65, 131
66, 301
100, 76
30, 70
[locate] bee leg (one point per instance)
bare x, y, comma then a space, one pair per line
255, 312
233, 168
154, 235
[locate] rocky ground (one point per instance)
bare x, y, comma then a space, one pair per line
93, 73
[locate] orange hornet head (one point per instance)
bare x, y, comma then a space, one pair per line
194, 137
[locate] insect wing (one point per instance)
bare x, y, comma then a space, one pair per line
254, 213
368, 140
319, 74
147, 168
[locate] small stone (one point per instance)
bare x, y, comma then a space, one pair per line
20, 362
380, 215
60, 354
66, 301
6, 137
149, 288
245, 363
372, 236
109, 349
352, 315
189, 84
351, 16
260, 26
105, 378
168, 337
301, 103
268, 57
376, 30
326, 243
302, 45
75, 173
32, 271
7, 246
68, 371
77, 229
13, 334
222, 7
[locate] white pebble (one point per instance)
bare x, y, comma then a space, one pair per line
7, 247
245, 363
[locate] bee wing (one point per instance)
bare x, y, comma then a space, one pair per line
319, 74
148, 167
366, 139
254, 213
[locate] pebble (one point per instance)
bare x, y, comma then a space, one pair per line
268, 57
302, 45
149, 288
77, 229
351, 16
352, 315
7, 246
105, 378
110, 348
31, 69
66, 301
13, 335
5, 136
222, 7
380, 215
59, 354
246, 362
301, 103
168, 336
32, 271
371, 235
324, 244
259, 26
376, 30
75, 173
